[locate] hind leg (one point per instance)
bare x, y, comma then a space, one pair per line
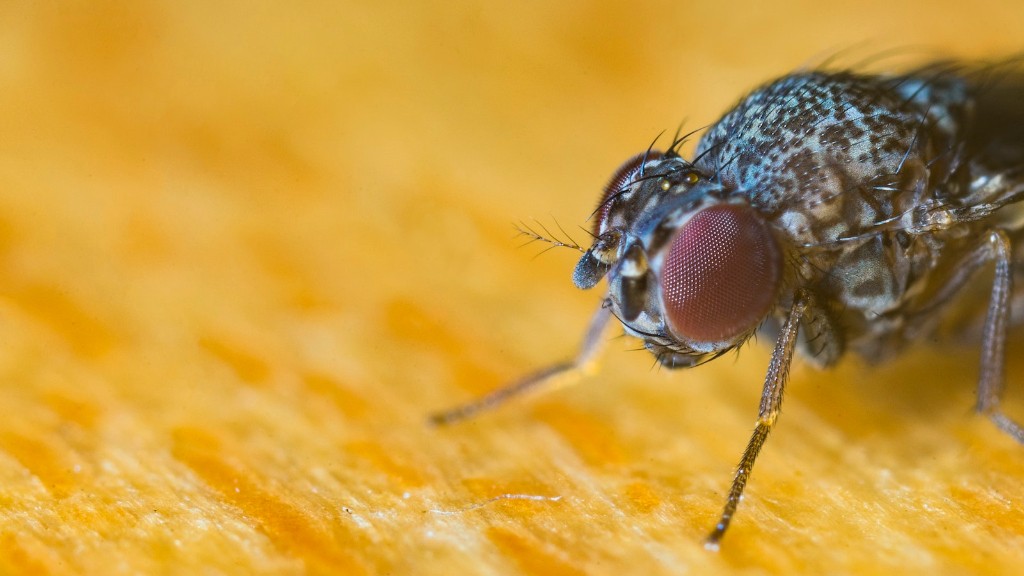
993, 344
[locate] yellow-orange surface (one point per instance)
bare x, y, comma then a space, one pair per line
246, 248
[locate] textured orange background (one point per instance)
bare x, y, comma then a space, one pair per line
245, 249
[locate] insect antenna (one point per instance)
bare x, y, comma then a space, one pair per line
567, 235
523, 229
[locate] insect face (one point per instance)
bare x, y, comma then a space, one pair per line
689, 271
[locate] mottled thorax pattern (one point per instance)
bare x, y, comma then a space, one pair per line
828, 158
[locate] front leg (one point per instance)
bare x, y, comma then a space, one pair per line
545, 379
771, 405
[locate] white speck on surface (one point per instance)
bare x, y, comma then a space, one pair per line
359, 520
534, 497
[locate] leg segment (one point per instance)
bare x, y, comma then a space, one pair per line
771, 405
993, 343
545, 379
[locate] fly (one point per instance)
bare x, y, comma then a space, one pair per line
832, 212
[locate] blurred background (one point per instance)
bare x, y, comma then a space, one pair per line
246, 248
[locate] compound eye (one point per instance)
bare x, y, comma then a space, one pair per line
721, 275
622, 178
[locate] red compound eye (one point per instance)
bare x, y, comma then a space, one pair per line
627, 173
721, 274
